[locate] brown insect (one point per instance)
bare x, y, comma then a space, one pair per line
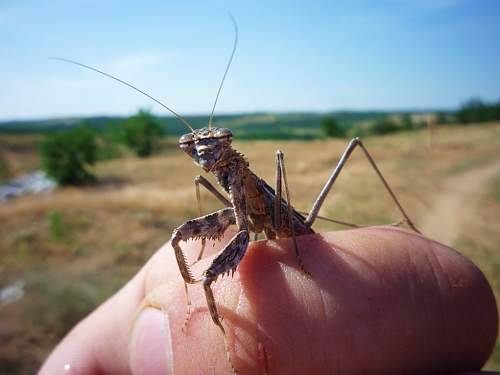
252, 205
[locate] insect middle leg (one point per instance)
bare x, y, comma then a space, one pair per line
210, 226
313, 214
278, 206
200, 180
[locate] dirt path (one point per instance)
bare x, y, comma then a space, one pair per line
457, 198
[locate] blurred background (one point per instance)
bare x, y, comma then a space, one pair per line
92, 181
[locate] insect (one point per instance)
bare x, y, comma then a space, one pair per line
251, 203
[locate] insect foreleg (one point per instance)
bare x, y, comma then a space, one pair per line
209, 226
226, 262
333, 177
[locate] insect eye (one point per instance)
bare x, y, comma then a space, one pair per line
222, 133
186, 139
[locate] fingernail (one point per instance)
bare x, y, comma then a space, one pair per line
151, 344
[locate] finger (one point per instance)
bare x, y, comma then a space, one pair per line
99, 343
379, 298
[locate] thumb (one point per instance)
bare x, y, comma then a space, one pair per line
151, 344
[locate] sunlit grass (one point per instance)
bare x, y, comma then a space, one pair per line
480, 241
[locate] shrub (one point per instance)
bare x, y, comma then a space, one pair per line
406, 123
331, 127
141, 133
382, 126
442, 118
65, 156
475, 110
110, 141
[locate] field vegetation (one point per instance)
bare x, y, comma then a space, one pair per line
73, 247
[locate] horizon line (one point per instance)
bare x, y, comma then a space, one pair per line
231, 113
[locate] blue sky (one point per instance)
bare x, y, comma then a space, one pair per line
292, 56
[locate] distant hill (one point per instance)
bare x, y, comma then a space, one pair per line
244, 126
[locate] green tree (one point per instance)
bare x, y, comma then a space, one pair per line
331, 127
441, 118
406, 122
67, 155
474, 110
141, 133
383, 126
110, 141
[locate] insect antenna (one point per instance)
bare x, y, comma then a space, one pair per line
235, 44
126, 84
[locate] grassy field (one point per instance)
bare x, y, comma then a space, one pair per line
75, 246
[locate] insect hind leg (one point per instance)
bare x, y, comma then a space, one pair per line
355, 142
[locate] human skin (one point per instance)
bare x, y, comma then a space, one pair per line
380, 300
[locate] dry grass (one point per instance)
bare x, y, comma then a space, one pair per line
117, 224
480, 242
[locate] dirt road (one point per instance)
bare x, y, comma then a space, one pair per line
458, 198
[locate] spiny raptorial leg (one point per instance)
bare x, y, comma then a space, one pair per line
210, 226
225, 262
281, 173
313, 214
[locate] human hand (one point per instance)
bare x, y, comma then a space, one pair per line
380, 300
